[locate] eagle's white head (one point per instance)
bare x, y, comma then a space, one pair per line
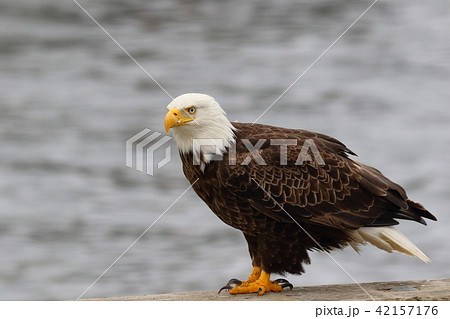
196, 116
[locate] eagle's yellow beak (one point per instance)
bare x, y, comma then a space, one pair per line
174, 118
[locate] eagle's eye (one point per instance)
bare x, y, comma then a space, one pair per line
191, 110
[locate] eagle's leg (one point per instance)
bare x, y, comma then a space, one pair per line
254, 276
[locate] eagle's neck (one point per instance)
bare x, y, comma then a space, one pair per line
205, 142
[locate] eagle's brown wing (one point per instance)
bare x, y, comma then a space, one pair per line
338, 192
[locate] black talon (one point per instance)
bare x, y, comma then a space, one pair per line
227, 287
287, 285
234, 281
281, 280
259, 290
284, 283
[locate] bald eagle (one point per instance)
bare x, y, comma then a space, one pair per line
289, 191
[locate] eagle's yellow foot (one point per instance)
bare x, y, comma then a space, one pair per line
260, 285
254, 276
256, 273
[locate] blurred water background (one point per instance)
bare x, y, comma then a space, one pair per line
70, 98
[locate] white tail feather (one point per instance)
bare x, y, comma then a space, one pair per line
387, 238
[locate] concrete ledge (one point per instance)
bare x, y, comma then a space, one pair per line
434, 289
